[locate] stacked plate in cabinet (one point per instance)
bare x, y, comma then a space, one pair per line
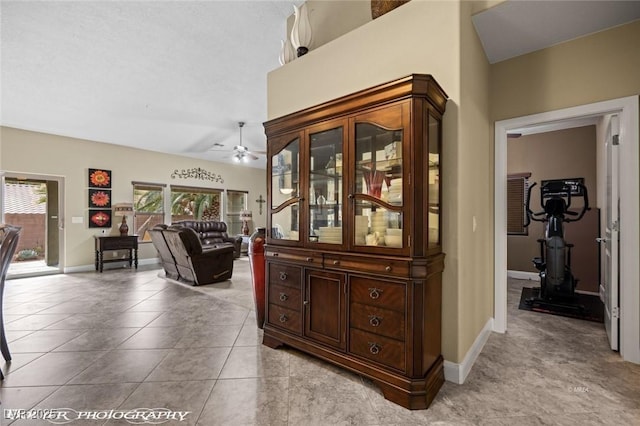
395, 191
362, 228
393, 237
379, 221
330, 235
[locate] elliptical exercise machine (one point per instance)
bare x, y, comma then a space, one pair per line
557, 283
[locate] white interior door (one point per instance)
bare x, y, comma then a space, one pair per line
610, 283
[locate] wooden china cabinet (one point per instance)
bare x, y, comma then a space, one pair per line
353, 255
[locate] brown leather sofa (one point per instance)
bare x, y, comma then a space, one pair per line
185, 256
212, 233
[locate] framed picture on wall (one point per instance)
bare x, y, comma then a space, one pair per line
99, 178
100, 218
99, 198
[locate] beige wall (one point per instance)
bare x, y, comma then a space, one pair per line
423, 37
569, 153
595, 68
326, 25
370, 55
472, 189
44, 154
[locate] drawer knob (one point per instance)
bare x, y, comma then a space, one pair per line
309, 259
275, 254
283, 297
388, 268
374, 348
336, 262
375, 320
374, 293
283, 276
283, 318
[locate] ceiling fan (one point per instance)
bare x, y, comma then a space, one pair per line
240, 152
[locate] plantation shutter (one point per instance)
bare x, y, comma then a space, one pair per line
516, 193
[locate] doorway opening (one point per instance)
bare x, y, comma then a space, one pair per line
627, 110
34, 203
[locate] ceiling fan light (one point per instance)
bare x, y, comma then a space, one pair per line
236, 158
245, 159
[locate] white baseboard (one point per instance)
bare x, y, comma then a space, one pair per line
523, 275
115, 265
457, 373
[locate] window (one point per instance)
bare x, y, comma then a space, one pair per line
190, 203
148, 208
236, 203
517, 186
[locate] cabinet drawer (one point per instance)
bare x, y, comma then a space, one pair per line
371, 265
377, 320
287, 297
285, 318
286, 275
119, 243
308, 258
382, 294
377, 348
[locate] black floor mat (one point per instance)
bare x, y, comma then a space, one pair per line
585, 306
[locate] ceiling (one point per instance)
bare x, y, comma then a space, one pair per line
172, 77
516, 27
177, 77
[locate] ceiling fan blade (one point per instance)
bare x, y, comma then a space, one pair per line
250, 155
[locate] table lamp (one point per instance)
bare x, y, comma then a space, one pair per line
245, 217
123, 208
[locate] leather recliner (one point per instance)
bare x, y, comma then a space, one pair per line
166, 257
212, 233
195, 264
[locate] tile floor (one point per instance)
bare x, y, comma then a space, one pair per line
130, 339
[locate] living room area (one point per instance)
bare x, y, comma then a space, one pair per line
182, 131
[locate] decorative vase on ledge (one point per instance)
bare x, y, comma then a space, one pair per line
380, 7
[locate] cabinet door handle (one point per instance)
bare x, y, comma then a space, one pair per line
388, 268
351, 196
305, 303
374, 293
283, 297
283, 318
283, 276
336, 262
374, 348
374, 320
309, 259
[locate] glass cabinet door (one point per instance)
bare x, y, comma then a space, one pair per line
325, 186
434, 182
378, 196
285, 192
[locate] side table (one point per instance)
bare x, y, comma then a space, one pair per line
114, 242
